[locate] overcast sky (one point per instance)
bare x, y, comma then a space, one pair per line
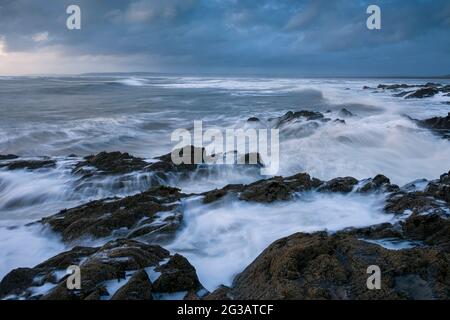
298, 37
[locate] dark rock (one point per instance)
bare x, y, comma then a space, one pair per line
432, 229
29, 164
278, 188
192, 156
177, 275
18, 280
416, 202
437, 123
110, 163
379, 183
292, 116
366, 88
8, 156
440, 189
97, 265
138, 287
267, 191
344, 113
221, 293
339, 121
102, 217
319, 266
253, 119
394, 86
343, 185
423, 93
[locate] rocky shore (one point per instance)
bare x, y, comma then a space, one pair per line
413, 252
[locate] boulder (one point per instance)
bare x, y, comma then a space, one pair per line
110, 163
423, 93
138, 287
102, 218
342, 185
322, 266
177, 275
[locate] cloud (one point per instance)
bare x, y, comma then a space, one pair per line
298, 36
40, 37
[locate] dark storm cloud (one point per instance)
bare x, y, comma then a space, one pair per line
298, 36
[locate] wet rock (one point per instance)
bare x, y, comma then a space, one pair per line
339, 121
97, 265
192, 158
103, 217
253, 119
18, 280
437, 123
267, 191
138, 287
8, 156
217, 194
416, 202
278, 188
110, 163
366, 88
292, 116
344, 113
177, 275
378, 183
221, 293
423, 93
440, 189
432, 229
343, 185
394, 86
29, 164
319, 266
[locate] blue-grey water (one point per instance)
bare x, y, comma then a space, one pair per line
82, 115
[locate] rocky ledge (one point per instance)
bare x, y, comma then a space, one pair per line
418, 91
120, 270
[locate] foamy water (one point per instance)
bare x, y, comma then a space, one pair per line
220, 240
58, 116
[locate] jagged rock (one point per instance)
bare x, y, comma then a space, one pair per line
378, 183
110, 163
344, 113
194, 156
319, 266
103, 217
423, 93
416, 202
138, 287
221, 293
177, 275
97, 265
278, 188
440, 189
217, 194
292, 116
267, 191
432, 229
343, 185
28, 164
437, 123
8, 157
394, 86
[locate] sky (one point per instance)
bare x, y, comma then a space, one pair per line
279, 37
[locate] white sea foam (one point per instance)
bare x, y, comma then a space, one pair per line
220, 240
